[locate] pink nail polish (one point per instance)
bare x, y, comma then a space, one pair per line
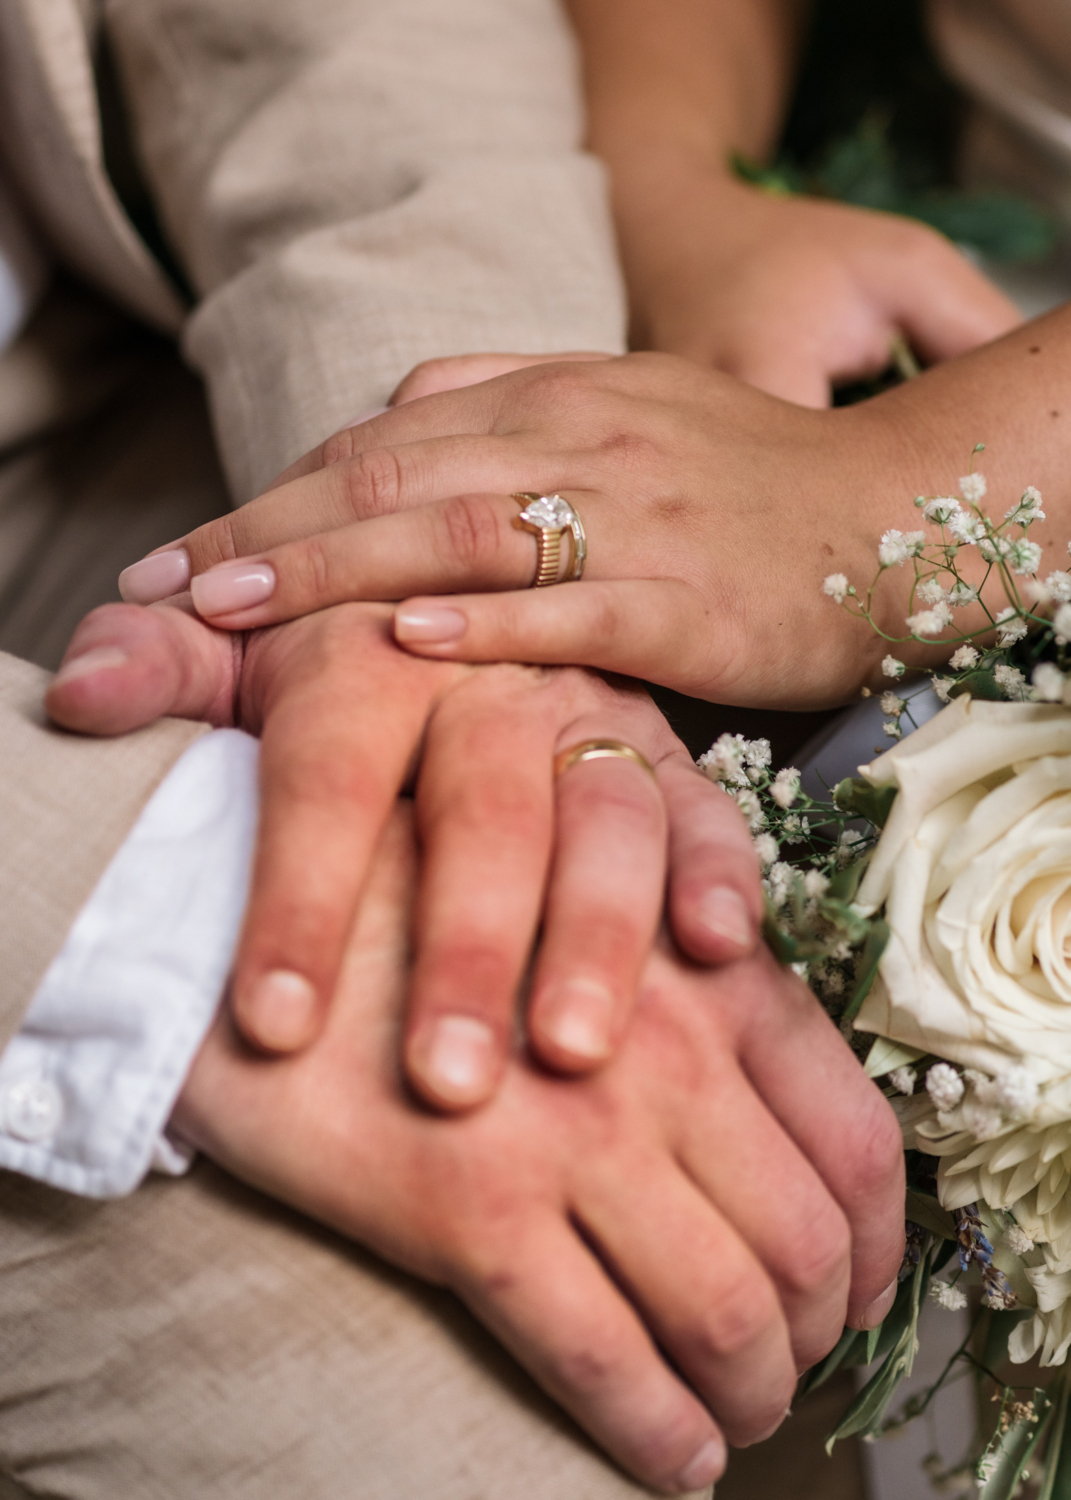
100, 659
156, 577
430, 622
232, 586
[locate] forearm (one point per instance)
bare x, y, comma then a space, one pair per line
702, 77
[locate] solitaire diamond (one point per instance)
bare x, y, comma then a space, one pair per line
549, 513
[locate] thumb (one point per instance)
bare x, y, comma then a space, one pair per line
127, 666
646, 628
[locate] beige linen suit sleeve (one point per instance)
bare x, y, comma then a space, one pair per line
66, 805
356, 185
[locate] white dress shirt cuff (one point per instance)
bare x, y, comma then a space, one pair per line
89, 1083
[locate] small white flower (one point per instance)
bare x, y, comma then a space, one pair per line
1058, 585
931, 592
836, 586
1017, 1240
800, 971
1017, 1092
993, 548
1029, 508
973, 487
963, 659
966, 529
897, 546
948, 1297
786, 787
892, 704
893, 668
1011, 682
766, 848
815, 885
795, 829
1061, 620
944, 1086
751, 807
1024, 557
891, 729
1048, 682
961, 594
942, 510
943, 686
724, 761
930, 621
903, 1080
1011, 627
987, 1467
757, 754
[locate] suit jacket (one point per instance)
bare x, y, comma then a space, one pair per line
344, 188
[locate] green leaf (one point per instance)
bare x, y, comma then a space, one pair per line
877, 940
867, 1411
784, 947
927, 1213
1014, 1451
850, 1350
1056, 1479
1001, 226
979, 685
856, 796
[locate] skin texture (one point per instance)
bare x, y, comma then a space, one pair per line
713, 512
662, 1244
790, 294
504, 847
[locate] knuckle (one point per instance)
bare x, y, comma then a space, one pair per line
876, 1161
337, 448
819, 1257
472, 532
373, 483
217, 542
745, 1311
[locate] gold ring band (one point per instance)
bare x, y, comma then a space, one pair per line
550, 518
600, 750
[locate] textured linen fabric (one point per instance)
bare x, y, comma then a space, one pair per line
114, 1028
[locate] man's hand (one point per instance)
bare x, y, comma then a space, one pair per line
347, 720
671, 1238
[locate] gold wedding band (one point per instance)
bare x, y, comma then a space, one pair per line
600, 750
549, 518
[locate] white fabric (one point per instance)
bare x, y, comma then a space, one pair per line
89, 1083
23, 268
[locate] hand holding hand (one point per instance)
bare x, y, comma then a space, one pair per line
663, 1244
347, 720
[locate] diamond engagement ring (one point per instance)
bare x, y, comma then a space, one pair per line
549, 518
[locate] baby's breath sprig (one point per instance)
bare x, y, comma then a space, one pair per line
813, 853
1021, 651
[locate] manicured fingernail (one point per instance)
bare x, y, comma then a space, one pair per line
232, 586
878, 1310
429, 623
577, 1017
101, 659
725, 913
456, 1061
279, 1010
156, 577
707, 1465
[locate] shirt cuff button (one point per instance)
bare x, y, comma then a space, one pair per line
32, 1110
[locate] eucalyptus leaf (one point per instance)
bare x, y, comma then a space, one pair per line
1056, 1479
884, 1056
850, 1350
978, 685
845, 883
1014, 1450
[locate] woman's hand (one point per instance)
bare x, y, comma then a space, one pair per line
792, 294
346, 721
663, 1245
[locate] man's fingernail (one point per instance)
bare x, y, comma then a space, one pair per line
232, 586
429, 623
101, 659
707, 1465
156, 577
280, 1009
457, 1060
725, 913
878, 1310
577, 1017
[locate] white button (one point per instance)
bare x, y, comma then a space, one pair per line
33, 1110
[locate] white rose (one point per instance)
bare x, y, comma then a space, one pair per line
974, 870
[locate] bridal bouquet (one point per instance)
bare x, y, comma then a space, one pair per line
928, 905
